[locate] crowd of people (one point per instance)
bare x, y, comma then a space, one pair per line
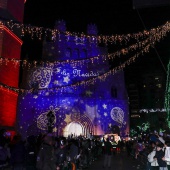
47, 152
152, 149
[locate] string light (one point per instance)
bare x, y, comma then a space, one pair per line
40, 33
86, 82
80, 62
3, 27
152, 110
154, 36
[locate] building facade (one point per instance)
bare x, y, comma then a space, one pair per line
74, 83
10, 48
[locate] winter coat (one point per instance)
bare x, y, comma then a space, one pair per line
108, 147
46, 158
151, 158
18, 153
73, 152
159, 155
167, 155
61, 155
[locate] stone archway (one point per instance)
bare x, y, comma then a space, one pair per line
75, 128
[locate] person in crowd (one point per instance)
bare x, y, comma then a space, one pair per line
159, 157
46, 159
31, 153
152, 163
167, 154
73, 150
4, 152
17, 148
61, 153
107, 154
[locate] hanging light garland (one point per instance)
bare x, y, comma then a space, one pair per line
80, 62
152, 110
86, 82
40, 33
158, 34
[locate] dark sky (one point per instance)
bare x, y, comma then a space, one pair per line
111, 17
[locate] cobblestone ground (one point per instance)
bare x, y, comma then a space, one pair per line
120, 161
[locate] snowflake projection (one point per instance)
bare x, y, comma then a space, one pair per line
40, 77
117, 115
42, 120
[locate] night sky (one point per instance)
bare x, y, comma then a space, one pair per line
111, 17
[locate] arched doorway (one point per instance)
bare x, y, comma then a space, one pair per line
74, 128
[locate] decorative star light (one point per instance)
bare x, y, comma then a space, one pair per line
58, 69
104, 106
55, 82
110, 125
55, 129
47, 93
89, 93
105, 114
35, 96
66, 79
68, 118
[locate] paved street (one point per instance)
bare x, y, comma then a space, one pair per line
119, 162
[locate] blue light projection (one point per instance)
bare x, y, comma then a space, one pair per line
91, 106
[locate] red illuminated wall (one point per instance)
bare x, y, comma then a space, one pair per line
13, 9
10, 47
8, 108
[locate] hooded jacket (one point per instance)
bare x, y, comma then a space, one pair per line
151, 158
167, 155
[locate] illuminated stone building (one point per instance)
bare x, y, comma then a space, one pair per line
75, 83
